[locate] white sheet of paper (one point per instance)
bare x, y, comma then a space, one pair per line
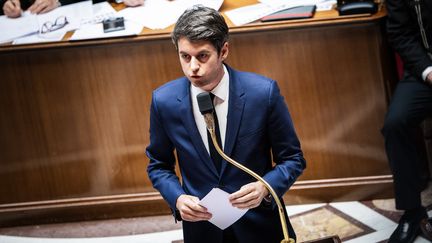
159, 14
250, 13
35, 38
154, 14
326, 5
12, 28
73, 12
101, 11
92, 28
224, 214
95, 31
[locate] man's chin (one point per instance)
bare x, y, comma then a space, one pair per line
198, 83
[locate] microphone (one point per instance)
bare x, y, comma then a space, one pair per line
205, 103
206, 108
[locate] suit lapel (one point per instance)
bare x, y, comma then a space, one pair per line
235, 113
188, 120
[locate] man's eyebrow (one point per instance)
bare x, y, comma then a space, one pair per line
199, 53
203, 51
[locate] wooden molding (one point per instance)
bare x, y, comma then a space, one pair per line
342, 182
151, 203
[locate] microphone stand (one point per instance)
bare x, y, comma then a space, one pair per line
208, 117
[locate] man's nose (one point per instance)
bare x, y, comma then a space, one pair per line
194, 64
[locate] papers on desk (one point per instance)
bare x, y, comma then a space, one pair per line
85, 18
95, 31
44, 27
154, 14
73, 13
101, 11
321, 5
92, 28
223, 213
250, 13
14, 28
35, 38
159, 14
326, 5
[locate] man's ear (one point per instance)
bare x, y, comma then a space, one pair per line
224, 51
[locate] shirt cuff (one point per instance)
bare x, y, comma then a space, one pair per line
426, 72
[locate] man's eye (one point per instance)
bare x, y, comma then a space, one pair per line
185, 57
203, 57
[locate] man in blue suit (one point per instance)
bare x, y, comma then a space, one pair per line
255, 129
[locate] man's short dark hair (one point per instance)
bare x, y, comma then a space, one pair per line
201, 23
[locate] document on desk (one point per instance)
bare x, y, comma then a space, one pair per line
224, 214
73, 13
101, 11
35, 38
250, 13
92, 28
95, 31
321, 5
13, 28
326, 5
48, 28
159, 14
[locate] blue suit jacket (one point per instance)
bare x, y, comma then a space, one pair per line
259, 127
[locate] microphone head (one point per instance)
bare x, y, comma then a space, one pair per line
205, 103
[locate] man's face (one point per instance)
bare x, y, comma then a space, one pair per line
201, 63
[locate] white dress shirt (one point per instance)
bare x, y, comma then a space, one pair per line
221, 92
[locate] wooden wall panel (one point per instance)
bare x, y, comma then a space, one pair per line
332, 80
74, 122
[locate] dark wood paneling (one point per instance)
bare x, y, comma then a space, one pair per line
74, 122
332, 80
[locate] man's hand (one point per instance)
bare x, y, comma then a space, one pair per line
249, 195
133, 3
190, 210
43, 6
12, 8
429, 79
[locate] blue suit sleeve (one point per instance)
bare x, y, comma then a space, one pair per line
286, 150
161, 168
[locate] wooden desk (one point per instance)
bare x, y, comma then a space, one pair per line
74, 116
